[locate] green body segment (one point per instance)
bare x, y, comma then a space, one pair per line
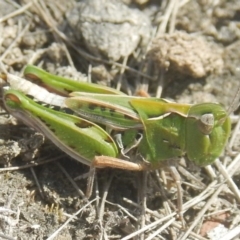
164, 129
169, 130
111, 110
181, 131
62, 85
81, 139
117, 111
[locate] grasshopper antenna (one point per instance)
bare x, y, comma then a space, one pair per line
2, 68
3, 75
232, 108
3, 83
235, 103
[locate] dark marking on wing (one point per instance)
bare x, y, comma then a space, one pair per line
92, 106
112, 111
103, 109
127, 117
83, 124
67, 90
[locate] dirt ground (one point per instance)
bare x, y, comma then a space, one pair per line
183, 50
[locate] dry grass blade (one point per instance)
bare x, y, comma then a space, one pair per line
21, 10
81, 194
29, 165
14, 42
231, 171
69, 220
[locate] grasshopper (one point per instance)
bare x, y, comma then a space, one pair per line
168, 129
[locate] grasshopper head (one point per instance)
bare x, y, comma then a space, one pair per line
207, 131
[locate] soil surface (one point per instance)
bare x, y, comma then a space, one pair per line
186, 51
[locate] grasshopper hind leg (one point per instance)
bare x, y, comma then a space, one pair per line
111, 162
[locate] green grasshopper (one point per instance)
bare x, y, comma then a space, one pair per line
168, 130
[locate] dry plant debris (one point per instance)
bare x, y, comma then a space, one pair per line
186, 54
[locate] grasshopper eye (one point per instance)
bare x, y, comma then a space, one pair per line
206, 123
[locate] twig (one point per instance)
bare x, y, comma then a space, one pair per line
17, 12
69, 220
